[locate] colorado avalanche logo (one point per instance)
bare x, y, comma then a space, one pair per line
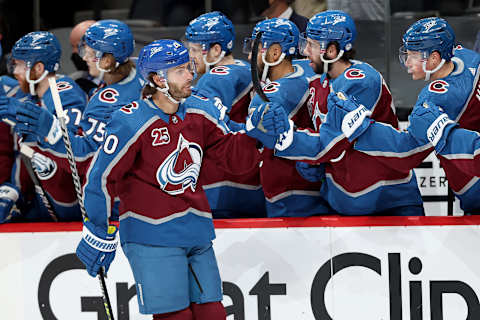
63, 85
271, 87
43, 166
109, 95
220, 70
438, 86
352, 74
180, 170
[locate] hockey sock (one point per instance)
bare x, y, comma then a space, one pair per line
185, 314
208, 311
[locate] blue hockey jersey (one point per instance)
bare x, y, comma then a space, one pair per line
286, 192
354, 183
457, 95
53, 169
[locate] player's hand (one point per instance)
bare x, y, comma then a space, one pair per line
39, 121
346, 114
265, 123
312, 173
97, 247
8, 108
429, 124
9, 195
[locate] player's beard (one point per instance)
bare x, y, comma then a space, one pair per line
23, 83
180, 92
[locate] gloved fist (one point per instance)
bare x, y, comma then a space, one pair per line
312, 173
265, 123
429, 124
97, 247
8, 108
347, 115
9, 195
39, 121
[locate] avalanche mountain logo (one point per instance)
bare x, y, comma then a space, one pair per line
180, 170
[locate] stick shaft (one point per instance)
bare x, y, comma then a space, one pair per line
76, 181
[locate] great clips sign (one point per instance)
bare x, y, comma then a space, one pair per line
320, 268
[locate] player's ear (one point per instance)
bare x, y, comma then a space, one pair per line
216, 50
332, 50
274, 52
435, 57
107, 62
38, 68
159, 81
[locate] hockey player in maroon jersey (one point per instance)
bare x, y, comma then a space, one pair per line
151, 159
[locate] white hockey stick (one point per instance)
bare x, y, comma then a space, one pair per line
76, 181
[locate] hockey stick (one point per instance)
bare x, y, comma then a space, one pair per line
26, 154
76, 181
254, 68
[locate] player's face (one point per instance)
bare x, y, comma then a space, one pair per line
312, 50
88, 55
413, 61
180, 80
196, 53
260, 64
19, 70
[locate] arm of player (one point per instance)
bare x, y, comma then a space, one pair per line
454, 146
395, 148
462, 150
346, 120
108, 165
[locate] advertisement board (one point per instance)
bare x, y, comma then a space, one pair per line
315, 268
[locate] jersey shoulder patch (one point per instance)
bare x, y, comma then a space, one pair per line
108, 95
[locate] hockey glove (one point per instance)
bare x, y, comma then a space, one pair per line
8, 108
39, 121
429, 124
348, 115
97, 247
9, 195
261, 124
312, 173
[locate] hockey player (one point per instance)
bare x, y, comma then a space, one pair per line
429, 52
151, 159
107, 48
210, 39
35, 59
286, 192
374, 188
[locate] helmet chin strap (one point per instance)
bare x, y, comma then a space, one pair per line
326, 61
428, 73
208, 64
166, 93
32, 83
103, 71
269, 64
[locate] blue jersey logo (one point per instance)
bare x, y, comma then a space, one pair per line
180, 170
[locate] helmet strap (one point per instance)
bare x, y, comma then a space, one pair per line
269, 64
428, 73
208, 64
32, 83
103, 71
166, 93
326, 61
